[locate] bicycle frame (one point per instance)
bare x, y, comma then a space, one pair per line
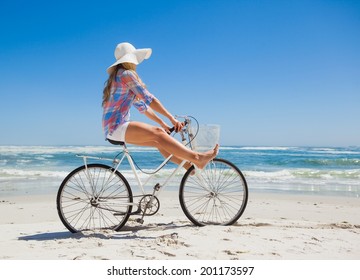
141, 185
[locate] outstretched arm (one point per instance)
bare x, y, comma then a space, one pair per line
152, 115
158, 107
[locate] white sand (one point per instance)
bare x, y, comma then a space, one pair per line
273, 226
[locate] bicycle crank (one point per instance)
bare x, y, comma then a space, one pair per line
149, 205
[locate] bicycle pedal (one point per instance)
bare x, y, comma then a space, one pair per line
140, 221
157, 187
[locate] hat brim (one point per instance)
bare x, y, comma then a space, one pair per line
135, 57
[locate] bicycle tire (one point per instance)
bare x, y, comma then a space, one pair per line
94, 197
221, 201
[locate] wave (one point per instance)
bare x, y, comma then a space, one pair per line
256, 148
19, 173
333, 162
344, 182
290, 174
294, 151
335, 182
335, 152
97, 149
326, 174
128, 173
52, 149
281, 175
49, 151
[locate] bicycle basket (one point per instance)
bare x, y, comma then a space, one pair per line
207, 137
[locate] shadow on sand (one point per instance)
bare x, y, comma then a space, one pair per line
127, 232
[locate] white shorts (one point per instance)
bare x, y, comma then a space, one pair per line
119, 133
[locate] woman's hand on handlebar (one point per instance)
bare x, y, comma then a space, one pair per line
178, 125
167, 128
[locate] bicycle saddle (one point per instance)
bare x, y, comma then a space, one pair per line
121, 143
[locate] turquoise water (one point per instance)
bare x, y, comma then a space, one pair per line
309, 170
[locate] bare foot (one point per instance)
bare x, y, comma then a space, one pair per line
204, 158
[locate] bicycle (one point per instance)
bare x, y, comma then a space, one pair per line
96, 196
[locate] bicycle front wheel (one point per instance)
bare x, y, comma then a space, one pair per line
217, 195
94, 197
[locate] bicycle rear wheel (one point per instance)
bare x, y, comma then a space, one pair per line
215, 196
93, 197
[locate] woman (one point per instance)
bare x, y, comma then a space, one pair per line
123, 89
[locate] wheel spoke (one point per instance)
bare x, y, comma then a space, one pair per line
221, 201
89, 198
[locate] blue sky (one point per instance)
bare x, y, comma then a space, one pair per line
270, 73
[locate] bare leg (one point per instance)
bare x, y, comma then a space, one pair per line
174, 159
138, 133
165, 154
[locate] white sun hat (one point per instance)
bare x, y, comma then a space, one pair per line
125, 52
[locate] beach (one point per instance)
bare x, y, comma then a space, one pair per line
303, 205
273, 227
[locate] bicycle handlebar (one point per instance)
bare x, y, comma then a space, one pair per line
173, 128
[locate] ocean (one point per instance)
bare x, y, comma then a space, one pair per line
295, 170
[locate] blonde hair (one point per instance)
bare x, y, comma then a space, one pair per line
109, 81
